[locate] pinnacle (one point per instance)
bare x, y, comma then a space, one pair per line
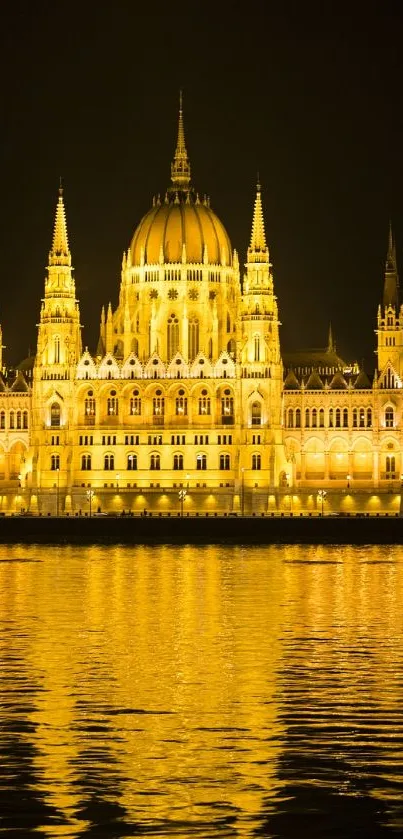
258, 237
60, 254
180, 168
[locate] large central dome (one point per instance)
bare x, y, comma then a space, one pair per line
181, 228
179, 222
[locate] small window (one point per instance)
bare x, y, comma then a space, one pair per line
256, 462
155, 462
389, 418
55, 414
55, 462
109, 462
131, 462
86, 462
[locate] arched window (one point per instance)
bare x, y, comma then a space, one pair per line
135, 346
155, 462
204, 404
19, 419
12, 419
369, 418
201, 462
256, 413
135, 404
132, 462
225, 462
256, 347
181, 405
306, 417
193, 338
55, 462
178, 462
56, 350
227, 408
290, 418
298, 418
210, 348
109, 462
172, 336
89, 405
362, 418
331, 418
390, 467
389, 418
113, 404
256, 462
314, 418
55, 415
158, 406
2, 419
355, 418
345, 417
231, 348
86, 462
25, 419
338, 418
228, 323
321, 418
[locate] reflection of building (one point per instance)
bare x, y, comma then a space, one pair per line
187, 386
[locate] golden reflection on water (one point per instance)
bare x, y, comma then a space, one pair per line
178, 689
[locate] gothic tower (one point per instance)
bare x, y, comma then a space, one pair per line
390, 318
260, 343
58, 351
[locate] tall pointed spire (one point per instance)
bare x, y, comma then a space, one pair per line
60, 254
391, 284
258, 250
180, 167
391, 257
331, 346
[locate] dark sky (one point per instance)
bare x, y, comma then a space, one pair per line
309, 94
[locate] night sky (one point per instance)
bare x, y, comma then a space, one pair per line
308, 94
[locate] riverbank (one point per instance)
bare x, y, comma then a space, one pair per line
202, 530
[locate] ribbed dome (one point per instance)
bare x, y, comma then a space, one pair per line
181, 221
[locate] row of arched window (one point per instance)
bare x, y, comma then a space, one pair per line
333, 418
155, 462
181, 406
16, 419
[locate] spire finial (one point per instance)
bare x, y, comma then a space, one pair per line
391, 284
60, 254
330, 342
180, 168
258, 250
391, 257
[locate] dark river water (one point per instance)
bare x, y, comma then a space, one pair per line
230, 692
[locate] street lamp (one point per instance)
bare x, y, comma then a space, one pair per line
322, 495
90, 495
242, 491
117, 481
182, 496
348, 481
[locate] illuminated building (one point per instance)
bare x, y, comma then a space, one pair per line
185, 404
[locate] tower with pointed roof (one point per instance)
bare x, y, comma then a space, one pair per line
58, 351
390, 316
260, 342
